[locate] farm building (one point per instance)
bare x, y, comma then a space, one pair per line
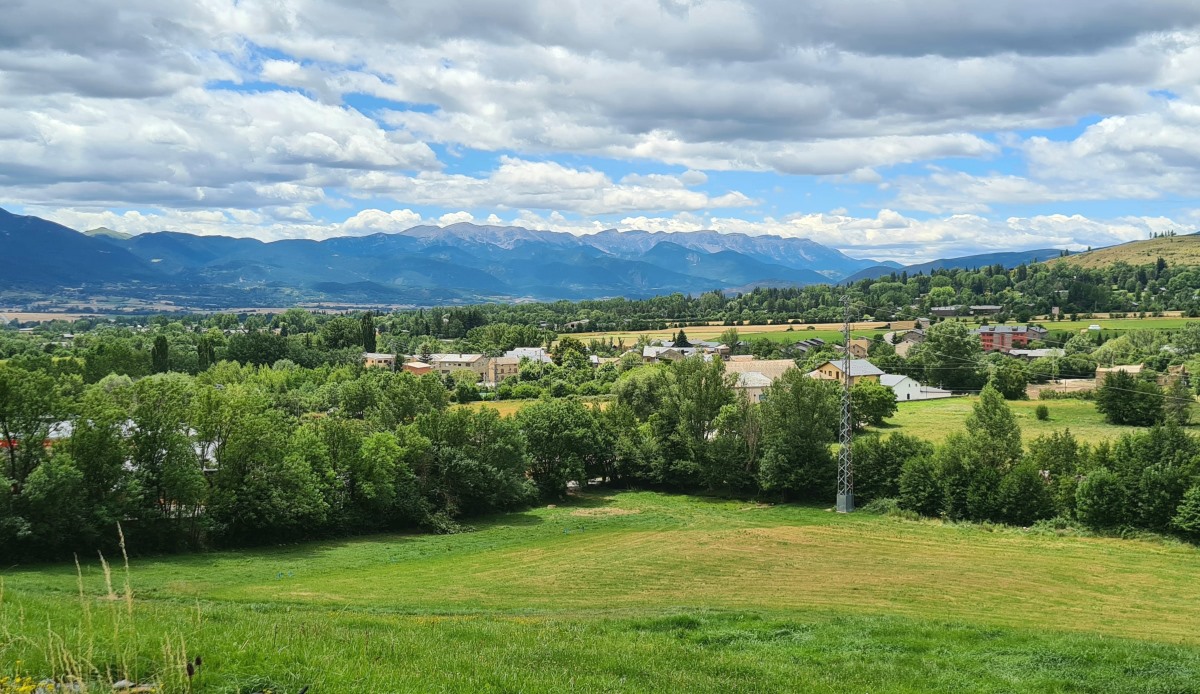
907, 389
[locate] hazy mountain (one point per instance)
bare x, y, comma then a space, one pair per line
423, 265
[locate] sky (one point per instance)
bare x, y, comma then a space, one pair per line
892, 129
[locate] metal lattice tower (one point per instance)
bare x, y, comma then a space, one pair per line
845, 489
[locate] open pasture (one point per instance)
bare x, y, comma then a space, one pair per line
633, 591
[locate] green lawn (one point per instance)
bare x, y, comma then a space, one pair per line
634, 592
933, 419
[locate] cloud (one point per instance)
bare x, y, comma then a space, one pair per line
544, 185
264, 116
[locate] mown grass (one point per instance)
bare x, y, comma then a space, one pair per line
636, 592
934, 419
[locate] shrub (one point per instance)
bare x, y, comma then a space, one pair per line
1024, 496
1101, 500
920, 486
1042, 412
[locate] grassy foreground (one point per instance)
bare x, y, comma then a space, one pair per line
633, 592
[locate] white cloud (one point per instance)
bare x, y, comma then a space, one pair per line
544, 185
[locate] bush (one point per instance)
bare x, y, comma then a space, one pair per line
1101, 500
1025, 496
920, 486
889, 507
1042, 412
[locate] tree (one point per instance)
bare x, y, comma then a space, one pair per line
949, 356
466, 385
1124, 399
564, 345
921, 486
562, 438
1187, 516
1010, 379
685, 422
206, 352
368, 332
995, 437
871, 403
341, 333
260, 491
733, 462
1025, 497
730, 338
681, 339
259, 348
1177, 405
800, 419
29, 405
879, 461
1101, 500
160, 356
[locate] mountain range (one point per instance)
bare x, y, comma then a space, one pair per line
420, 266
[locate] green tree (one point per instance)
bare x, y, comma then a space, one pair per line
562, 437
879, 460
730, 338
949, 356
342, 332
733, 462
1187, 516
1101, 500
871, 403
368, 332
800, 418
1010, 379
29, 405
995, 437
1123, 399
160, 358
681, 339
921, 487
1178, 402
1025, 496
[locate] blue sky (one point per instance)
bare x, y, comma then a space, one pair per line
905, 130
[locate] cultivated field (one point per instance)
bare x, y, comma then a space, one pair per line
778, 332
634, 592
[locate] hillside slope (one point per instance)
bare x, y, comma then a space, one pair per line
1176, 250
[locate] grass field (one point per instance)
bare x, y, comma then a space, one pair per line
933, 419
634, 592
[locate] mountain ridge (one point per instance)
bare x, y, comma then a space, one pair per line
456, 263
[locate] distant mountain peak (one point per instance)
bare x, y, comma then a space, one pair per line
108, 233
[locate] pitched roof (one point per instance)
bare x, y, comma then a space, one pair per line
771, 368
858, 367
891, 380
752, 379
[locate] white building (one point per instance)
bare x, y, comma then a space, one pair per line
907, 389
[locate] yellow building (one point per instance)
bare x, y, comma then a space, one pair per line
860, 370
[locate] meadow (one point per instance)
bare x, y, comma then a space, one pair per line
631, 591
934, 419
